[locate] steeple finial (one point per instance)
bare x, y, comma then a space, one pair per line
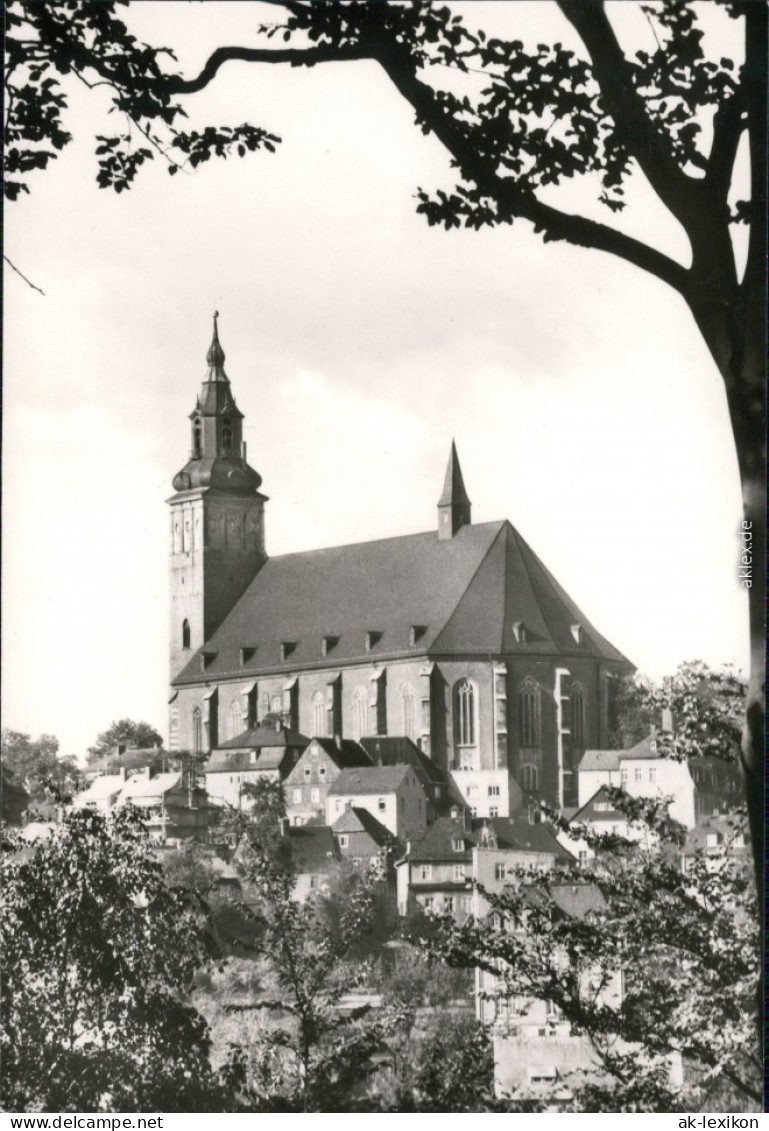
215, 355
453, 505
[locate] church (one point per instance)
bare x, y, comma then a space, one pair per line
458, 638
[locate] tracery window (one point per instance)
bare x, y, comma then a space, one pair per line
529, 777
319, 714
465, 698
197, 730
360, 712
577, 716
529, 713
407, 707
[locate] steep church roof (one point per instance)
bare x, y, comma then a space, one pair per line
483, 591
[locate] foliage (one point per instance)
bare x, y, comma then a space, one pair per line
707, 707
633, 713
138, 735
96, 955
684, 942
315, 1051
37, 765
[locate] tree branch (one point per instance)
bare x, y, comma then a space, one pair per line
24, 277
295, 57
728, 126
638, 133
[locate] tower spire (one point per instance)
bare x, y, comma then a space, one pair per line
453, 505
215, 355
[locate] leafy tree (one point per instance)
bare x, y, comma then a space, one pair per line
96, 954
314, 1054
139, 735
37, 765
677, 936
518, 123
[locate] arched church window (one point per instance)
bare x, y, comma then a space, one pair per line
529, 777
227, 435
360, 712
464, 713
185, 633
577, 716
197, 440
407, 708
236, 718
197, 730
319, 715
529, 713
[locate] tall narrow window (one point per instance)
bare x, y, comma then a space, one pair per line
464, 713
360, 712
236, 718
529, 777
185, 634
407, 705
319, 715
197, 440
528, 702
577, 717
226, 436
197, 730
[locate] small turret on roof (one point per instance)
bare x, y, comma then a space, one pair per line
453, 505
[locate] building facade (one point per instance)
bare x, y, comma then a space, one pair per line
458, 639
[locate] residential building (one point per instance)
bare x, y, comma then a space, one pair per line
458, 639
436, 872
172, 807
643, 771
307, 784
262, 753
488, 793
392, 794
364, 840
395, 750
102, 793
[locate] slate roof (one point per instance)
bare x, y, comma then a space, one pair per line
355, 820
588, 812
348, 753
313, 848
612, 759
369, 779
262, 736
520, 834
101, 789
397, 751
467, 592
436, 844
141, 786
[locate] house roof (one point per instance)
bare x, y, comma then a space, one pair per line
102, 788
612, 759
437, 843
369, 779
599, 760
520, 834
574, 900
313, 848
348, 753
263, 736
134, 758
140, 786
227, 761
589, 812
397, 751
355, 820
466, 592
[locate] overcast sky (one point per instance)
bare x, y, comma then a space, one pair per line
359, 341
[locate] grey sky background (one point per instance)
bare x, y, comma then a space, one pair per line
359, 342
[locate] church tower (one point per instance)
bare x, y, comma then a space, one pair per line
217, 517
453, 505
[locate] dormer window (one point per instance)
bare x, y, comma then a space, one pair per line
519, 632
207, 658
286, 649
328, 644
457, 844
576, 631
416, 632
372, 639
246, 654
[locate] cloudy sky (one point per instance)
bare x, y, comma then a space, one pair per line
359, 342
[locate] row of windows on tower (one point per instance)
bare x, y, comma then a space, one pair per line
370, 716
228, 438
